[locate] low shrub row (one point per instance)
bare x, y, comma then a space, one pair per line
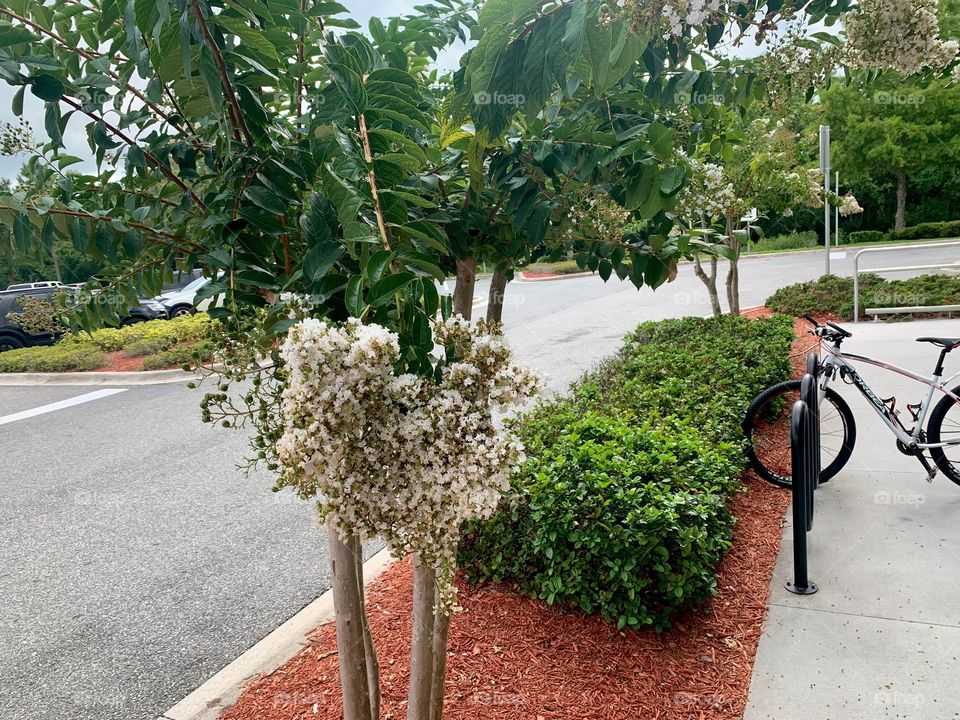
162, 333
621, 506
161, 344
791, 241
931, 230
834, 295
866, 236
54, 358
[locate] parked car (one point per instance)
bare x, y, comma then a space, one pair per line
12, 336
35, 285
183, 302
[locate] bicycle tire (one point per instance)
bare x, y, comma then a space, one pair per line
934, 435
777, 476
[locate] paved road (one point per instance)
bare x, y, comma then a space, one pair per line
136, 560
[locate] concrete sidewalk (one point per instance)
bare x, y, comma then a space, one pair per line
881, 638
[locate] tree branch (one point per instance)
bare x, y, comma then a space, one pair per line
151, 158
224, 75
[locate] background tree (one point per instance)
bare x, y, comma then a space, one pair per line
888, 128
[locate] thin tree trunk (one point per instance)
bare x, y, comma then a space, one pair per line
710, 281
56, 261
733, 275
350, 630
463, 293
901, 220
421, 656
441, 631
498, 287
369, 649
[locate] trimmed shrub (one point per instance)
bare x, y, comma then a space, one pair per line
56, 358
621, 506
834, 295
179, 355
934, 230
170, 332
866, 236
792, 241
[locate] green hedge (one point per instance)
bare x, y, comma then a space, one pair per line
834, 295
56, 358
162, 344
933, 230
866, 236
621, 506
164, 333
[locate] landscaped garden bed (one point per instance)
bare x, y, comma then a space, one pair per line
832, 295
154, 345
632, 511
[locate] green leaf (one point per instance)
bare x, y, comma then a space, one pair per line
47, 87
383, 290
249, 37
320, 259
353, 297
263, 198
671, 179
351, 88
16, 34
376, 265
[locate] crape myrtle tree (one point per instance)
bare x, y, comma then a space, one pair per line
300, 168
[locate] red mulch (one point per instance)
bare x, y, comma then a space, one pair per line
120, 362
511, 657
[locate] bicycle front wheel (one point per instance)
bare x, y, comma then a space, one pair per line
944, 426
767, 429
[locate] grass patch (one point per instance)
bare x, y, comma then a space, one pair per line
621, 506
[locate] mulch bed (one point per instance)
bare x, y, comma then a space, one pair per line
511, 657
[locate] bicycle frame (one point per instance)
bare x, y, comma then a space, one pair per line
837, 363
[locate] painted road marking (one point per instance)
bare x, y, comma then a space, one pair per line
60, 405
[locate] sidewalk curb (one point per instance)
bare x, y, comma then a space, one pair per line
522, 277
221, 691
149, 377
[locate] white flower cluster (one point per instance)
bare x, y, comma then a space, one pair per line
402, 457
903, 35
710, 195
849, 205
669, 16
594, 215
691, 12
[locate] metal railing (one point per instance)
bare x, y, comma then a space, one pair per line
903, 268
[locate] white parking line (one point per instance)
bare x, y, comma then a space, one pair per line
60, 405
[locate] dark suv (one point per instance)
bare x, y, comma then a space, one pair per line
12, 336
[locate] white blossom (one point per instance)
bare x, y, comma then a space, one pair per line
402, 457
902, 35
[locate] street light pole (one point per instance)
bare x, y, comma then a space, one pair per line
825, 169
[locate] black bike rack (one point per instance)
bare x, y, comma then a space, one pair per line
805, 459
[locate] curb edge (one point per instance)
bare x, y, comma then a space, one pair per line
221, 690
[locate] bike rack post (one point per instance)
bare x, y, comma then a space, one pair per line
805, 471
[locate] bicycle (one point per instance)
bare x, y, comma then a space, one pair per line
767, 423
